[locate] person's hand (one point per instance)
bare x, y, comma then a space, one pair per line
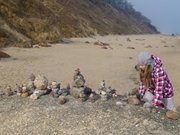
153, 104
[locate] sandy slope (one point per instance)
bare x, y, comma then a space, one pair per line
115, 64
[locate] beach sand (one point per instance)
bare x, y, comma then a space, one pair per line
115, 64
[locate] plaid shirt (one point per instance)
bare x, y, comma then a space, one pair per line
161, 87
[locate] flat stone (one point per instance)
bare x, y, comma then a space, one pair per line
145, 122
172, 115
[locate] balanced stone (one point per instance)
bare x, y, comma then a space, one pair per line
41, 82
78, 79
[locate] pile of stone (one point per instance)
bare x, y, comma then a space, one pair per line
38, 86
35, 87
79, 90
56, 89
106, 92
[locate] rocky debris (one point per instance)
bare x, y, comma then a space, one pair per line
131, 48
87, 42
99, 43
36, 46
44, 44
103, 45
4, 55
23, 44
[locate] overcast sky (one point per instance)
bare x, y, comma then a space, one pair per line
164, 14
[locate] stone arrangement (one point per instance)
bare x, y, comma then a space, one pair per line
40, 84
106, 92
79, 90
37, 86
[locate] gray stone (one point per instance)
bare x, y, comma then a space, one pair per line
37, 93
41, 82
30, 87
78, 79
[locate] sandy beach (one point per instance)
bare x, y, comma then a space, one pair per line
115, 64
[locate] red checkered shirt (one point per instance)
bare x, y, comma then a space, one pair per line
161, 86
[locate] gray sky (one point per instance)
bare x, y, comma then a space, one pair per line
164, 14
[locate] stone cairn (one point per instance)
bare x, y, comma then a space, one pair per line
40, 83
79, 90
106, 92
57, 91
38, 86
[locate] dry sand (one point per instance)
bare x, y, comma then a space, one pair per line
115, 65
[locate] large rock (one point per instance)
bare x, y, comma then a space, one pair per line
4, 55
41, 82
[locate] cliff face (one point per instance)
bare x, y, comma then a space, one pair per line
28, 22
